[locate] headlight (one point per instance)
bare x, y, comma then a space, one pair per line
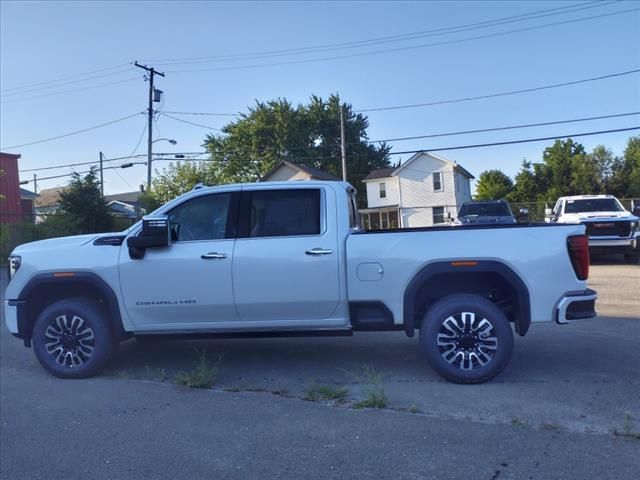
14, 264
635, 225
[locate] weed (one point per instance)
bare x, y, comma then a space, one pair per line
515, 421
550, 426
323, 393
156, 374
414, 409
627, 428
376, 396
204, 373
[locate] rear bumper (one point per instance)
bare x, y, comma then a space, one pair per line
576, 306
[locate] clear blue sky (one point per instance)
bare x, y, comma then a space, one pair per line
41, 41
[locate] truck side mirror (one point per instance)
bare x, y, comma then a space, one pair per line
155, 233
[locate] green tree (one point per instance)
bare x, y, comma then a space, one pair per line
625, 171
562, 160
526, 187
277, 130
82, 206
493, 185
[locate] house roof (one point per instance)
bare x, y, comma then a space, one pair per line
130, 198
27, 195
379, 173
314, 173
48, 197
462, 170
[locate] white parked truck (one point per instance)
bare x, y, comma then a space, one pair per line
288, 258
609, 225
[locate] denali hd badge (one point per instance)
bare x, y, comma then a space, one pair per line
165, 302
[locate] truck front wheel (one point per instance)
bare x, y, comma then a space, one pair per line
71, 338
466, 338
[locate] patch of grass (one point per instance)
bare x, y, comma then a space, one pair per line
282, 392
414, 409
627, 428
550, 426
515, 421
156, 374
324, 393
203, 374
376, 396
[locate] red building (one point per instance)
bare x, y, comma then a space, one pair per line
17, 205
10, 207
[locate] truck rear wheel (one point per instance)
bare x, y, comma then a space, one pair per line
71, 339
466, 338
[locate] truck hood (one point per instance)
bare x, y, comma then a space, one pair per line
595, 216
60, 242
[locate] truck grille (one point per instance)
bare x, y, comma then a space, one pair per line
608, 229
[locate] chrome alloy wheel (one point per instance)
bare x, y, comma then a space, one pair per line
69, 340
467, 341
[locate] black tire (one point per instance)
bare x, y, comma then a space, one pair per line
466, 354
71, 338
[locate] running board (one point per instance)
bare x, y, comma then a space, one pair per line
223, 335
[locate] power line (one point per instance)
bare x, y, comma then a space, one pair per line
426, 149
457, 100
51, 94
434, 135
511, 127
458, 147
77, 164
190, 123
118, 72
404, 48
208, 114
512, 142
390, 38
500, 94
66, 78
73, 133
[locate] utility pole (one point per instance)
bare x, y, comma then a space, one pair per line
343, 146
101, 175
152, 72
35, 184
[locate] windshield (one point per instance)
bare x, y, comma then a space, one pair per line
497, 209
593, 205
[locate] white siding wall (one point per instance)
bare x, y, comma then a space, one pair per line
418, 196
464, 189
373, 192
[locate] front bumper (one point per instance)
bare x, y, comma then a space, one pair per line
576, 306
615, 242
15, 319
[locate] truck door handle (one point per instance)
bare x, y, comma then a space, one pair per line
319, 251
213, 256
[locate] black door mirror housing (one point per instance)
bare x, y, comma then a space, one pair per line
155, 233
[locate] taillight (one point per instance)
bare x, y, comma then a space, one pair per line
579, 254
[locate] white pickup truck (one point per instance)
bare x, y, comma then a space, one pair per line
609, 225
288, 258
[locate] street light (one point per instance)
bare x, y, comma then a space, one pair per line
149, 151
170, 140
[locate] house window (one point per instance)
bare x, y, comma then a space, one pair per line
438, 215
383, 190
437, 181
393, 219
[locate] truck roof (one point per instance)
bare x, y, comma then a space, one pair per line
585, 197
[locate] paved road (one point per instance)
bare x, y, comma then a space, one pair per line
551, 414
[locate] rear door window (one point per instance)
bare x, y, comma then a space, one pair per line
281, 213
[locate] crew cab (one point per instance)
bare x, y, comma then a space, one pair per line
288, 258
609, 225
